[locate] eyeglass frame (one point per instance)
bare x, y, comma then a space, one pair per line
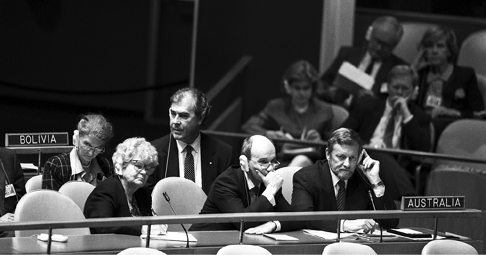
88, 147
148, 170
275, 164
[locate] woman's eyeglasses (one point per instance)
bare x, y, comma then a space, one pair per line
140, 165
88, 147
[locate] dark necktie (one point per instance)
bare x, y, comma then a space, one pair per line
341, 197
189, 164
254, 194
370, 66
389, 130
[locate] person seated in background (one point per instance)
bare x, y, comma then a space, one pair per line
393, 123
375, 58
186, 152
12, 185
298, 116
120, 195
84, 162
446, 90
253, 186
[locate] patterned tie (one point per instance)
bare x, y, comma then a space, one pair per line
189, 164
341, 197
390, 130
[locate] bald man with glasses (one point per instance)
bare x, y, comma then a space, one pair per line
253, 186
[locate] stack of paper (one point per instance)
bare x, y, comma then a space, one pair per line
352, 79
326, 235
280, 237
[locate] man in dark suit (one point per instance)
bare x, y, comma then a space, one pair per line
186, 152
254, 186
12, 185
374, 58
342, 183
393, 123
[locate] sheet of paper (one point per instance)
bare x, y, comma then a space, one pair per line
28, 166
172, 236
326, 235
357, 76
280, 237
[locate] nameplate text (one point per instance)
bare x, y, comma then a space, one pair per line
36, 139
429, 203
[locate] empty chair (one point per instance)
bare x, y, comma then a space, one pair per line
185, 197
140, 251
340, 114
34, 183
448, 247
466, 138
407, 48
243, 249
473, 52
348, 248
45, 205
287, 173
78, 191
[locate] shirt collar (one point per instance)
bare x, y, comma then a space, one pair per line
77, 168
196, 145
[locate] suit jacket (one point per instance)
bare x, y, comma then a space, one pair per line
354, 55
230, 194
108, 199
313, 191
462, 78
11, 173
366, 115
216, 156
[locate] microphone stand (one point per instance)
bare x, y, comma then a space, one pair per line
167, 198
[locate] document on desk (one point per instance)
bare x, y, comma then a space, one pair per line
171, 236
326, 235
280, 237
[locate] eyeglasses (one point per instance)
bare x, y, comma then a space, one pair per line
140, 165
91, 148
265, 166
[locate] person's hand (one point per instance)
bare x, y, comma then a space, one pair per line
276, 134
265, 228
273, 181
8, 217
313, 135
156, 229
400, 105
365, 93
444, 111
377, 144
366, 225
370, 167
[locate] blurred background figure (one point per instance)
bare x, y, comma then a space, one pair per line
298, 116
446, 91
84, 162
121, 195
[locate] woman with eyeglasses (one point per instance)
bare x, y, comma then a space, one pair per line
122, 195
84, 162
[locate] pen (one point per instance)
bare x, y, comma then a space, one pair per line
302, 137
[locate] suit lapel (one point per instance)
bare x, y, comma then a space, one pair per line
243, 186
173, 167
208, 162
328, 186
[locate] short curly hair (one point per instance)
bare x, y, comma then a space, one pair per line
95, 125
131, 147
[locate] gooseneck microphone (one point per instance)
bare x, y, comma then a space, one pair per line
167, 198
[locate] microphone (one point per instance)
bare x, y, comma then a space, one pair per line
167, 198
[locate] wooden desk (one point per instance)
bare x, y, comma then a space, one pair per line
208, 243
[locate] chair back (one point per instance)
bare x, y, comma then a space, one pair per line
140, 251
340, 114
407, 48
287, 173
78, 191
243, 249
463, 137
34, 183
482, 86
348, 248
448, 247
458, 181
46, 205
185, 197
473, 52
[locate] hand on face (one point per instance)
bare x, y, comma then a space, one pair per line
370, 167
400, 104
272, 180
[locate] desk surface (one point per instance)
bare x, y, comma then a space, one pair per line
208, 243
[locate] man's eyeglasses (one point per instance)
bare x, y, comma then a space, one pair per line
91, 148
139, 166
265, 166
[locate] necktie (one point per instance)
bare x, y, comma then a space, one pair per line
389, 130
254, 194
370, 66
189, 164
341, 197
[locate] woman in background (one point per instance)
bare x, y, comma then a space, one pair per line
121, 195
84, 162
298, 116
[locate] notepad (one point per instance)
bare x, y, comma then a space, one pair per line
326, 235
171, 236
280, 237
352, 79
406, 232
